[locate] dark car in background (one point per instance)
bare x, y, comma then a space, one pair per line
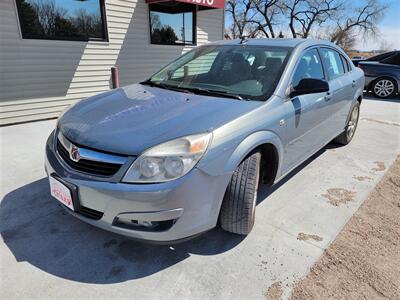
357, 59
382, 74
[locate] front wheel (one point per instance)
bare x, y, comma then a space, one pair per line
239, 204
384, 88
347, 135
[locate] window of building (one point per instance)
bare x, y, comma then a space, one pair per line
172, 24
62, 20
309, 67
332, 62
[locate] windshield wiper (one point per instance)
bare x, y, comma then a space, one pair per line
164, 86
219, 93
157, 84
195, 90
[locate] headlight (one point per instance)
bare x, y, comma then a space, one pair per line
169, 160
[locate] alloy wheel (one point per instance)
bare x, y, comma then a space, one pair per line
352, 125
383, 88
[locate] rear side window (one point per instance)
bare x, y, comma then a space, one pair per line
309, 67
346, 65
333, 63
392, 60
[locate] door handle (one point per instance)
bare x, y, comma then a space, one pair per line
354, 83
328, 96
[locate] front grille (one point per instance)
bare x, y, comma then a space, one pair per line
90, 213
88, 166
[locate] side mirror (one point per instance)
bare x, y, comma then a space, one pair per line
309, 86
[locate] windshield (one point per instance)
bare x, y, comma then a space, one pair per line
239, 71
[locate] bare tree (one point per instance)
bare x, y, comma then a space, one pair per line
48, 14
268, 11
242, 14
362, 20
305, 14
86, 22
337, 19
347, 41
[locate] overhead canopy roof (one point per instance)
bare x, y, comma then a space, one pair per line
201, 3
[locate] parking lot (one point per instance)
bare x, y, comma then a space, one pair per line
45, 253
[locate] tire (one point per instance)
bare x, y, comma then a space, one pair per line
384, 87
238, 207
352, 121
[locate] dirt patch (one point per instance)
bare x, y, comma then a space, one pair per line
362, 262
305, 237
338, 196
362, 178
380, 166
275, 291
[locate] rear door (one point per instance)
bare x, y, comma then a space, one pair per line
340, 90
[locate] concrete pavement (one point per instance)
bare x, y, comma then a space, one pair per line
45, 253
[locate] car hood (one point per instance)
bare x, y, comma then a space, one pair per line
132, 119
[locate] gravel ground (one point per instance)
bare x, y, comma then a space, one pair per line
363, 261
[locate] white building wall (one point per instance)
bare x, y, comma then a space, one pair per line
39, 78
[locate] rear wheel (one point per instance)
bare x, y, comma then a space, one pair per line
346, 136
239, 204
384, 88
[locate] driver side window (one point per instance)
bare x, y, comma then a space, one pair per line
309, 66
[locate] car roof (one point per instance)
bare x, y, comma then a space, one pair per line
278, 42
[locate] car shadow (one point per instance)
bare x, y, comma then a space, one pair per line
38, 231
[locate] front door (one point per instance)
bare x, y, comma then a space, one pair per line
307, 114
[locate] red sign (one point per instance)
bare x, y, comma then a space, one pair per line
207, 3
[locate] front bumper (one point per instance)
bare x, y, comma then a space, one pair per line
190, 204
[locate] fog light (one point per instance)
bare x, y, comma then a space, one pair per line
144, 223
141, 225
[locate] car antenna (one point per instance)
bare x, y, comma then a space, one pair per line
243, 40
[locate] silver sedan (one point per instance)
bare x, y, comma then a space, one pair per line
186, 149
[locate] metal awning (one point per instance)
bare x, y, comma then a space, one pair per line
203, 3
